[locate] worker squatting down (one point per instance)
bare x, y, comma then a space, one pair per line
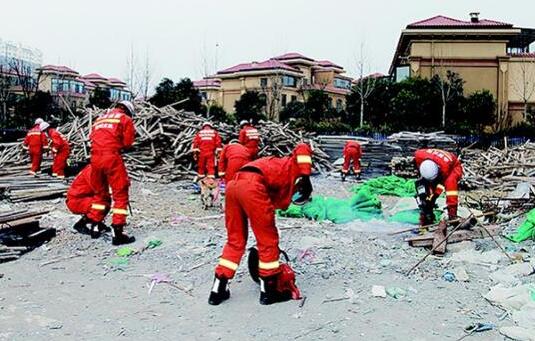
255, 188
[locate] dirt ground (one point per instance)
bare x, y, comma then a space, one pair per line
76, 288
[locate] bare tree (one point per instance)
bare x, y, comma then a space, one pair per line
272, 89
147, 76
5, 91
447, 82
209, 68
364, 85
132, 73
24, 73
524, 87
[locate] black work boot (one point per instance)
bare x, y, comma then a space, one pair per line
220, 291
118, 236
357, 176
343, 177
269, 293
81, 226
97, 229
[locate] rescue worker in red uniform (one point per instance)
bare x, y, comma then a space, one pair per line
80, 197
112, 134
439, 171
352, 152
60, 150
249, 137
206, 146
252, 196
232, 158
35, 143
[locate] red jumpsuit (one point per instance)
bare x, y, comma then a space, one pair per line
35, 142
352, 151
250, 138
207, 143
232, 158
80, 194
112, 133
257, 190
60, 151
450, 172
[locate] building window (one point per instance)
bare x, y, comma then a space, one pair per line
330, 103
402, 72
284, 100
341, 83
289, 81
294, 98
263, 82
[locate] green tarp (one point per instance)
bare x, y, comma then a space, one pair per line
411, 216
388, 185
526, 230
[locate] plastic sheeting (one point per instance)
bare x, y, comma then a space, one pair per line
388, 185
526, 230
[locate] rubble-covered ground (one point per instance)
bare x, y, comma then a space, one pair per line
76, 288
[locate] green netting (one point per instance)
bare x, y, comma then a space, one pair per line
526, 230
362, 206
411, 216
388, 185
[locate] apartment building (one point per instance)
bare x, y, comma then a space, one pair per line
282, 79
487, 54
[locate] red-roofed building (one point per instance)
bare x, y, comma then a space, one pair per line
283, 79
64, 84
487, 54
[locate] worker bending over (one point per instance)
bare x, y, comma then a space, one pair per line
206, 146
439, 170
352, 152
232, 158
35, 143
80, 197
60, 150
252, 196
249, 137
113, 133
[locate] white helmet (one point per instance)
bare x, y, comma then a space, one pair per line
44, 126
38, 121
243, 122
429, 170
129, 106
207, 123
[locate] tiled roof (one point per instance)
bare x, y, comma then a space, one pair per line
292, 55
116, 81
57, 68
95, 77
270, 64
207, 82
443, 21
328, 64
88, 84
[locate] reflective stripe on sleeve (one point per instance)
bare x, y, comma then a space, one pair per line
304, 159
121, 211
440, 187
98, 207
228, 264
452, 193
268, 265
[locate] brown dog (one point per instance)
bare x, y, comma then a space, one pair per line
210, 195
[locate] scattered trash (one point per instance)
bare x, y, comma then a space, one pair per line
378, 291
478, 328
153, 243
449, 276
119, 261
396, 292
460, 274
125, 251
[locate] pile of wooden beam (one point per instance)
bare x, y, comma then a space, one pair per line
411, 141
20, 232
403, 166
18, 188
499, 169
162, 151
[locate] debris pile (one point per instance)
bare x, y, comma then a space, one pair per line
403, 166
20, 232
499, 169
411, 141
162, 151
18, 188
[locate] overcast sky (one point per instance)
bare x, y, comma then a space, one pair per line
97, 35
